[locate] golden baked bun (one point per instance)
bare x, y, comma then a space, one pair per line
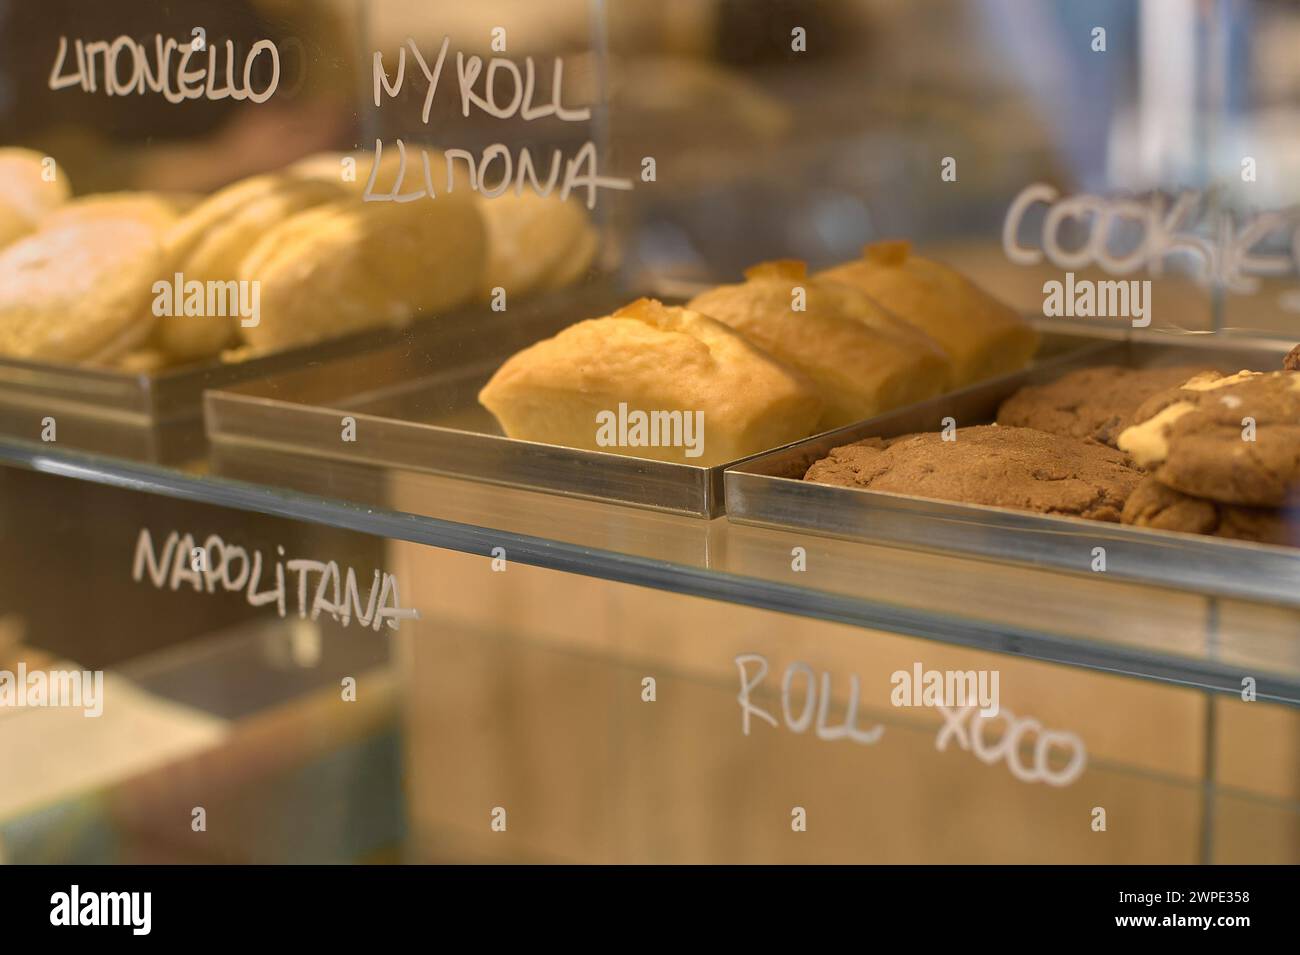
216, 208
863, 360
156, 209
349, 265
13, 224
327, 167
24, 190
535, 243
145, 360
352, 171
576, 264
649, 357
25, 195
80, 292
211, 242
983, 337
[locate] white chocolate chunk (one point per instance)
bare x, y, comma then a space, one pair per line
1204, 382
1148, 443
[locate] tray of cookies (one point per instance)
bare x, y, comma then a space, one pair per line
119, 309
644, 402
1163, 458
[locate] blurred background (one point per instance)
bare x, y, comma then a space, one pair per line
762, 150
768, 142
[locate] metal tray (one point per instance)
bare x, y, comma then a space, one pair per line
170, 395
415, 406
768, 490
150, 417
159, 417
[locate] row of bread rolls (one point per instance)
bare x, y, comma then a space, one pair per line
767, 361
77, 275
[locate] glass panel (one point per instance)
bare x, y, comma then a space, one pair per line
299, 592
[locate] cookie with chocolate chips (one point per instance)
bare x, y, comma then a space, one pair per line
1233, 439
1162, 508
1004, 467
1095, 403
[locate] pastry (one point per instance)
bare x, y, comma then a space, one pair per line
142, 361
862, 360
535, 243
80, 292
1292, 360
210, 243
26, 195
1095, 403
983, 337
650, 358
576, 264
329, 167
155, 209
215, 209
353, 171
987, 464
13, 224
1233, 439
334, 167
348, 265
1156, 506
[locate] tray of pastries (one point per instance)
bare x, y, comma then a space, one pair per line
121, 308
1163, 458
646, 402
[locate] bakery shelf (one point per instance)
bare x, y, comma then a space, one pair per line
427, 417
172, 394
1121, 627
150, 416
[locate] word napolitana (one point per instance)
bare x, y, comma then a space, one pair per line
214, 562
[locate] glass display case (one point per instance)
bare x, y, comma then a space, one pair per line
680, 432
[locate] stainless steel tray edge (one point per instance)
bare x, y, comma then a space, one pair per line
301, 410
251, 421
1191, 562
768, 491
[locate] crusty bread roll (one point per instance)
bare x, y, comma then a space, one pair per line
652, 358
145, 360
26, 195
13, 224
25, 185
576, 263
156, 209
535, 243
209, 244
80, 292
983, 337
862, 359
349, 265
399, 170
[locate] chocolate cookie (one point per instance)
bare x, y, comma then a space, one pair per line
1233, 439
987, 464
1163, 508
1093, 403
